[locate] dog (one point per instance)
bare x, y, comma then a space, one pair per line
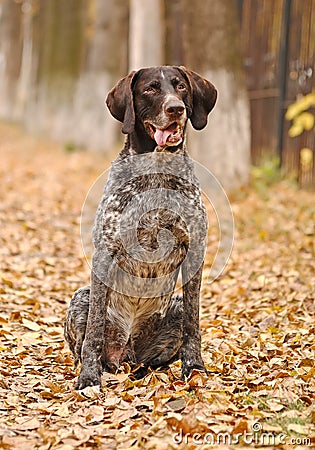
150, 225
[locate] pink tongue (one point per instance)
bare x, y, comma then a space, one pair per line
161, 136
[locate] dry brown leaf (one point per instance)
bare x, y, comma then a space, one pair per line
300, 429
274, 406
31, 325
30, 424
240, 427
62, 411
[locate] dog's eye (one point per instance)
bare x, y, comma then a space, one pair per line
178, 84
150, 90
181, 87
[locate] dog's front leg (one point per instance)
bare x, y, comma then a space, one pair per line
191, 347
93, 346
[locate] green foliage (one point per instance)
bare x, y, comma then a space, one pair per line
301, 119
267, 173
70, 147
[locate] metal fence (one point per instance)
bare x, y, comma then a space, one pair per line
278, 38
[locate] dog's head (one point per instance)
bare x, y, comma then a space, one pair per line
159, 100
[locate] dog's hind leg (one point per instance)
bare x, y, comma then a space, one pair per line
75, 323
75, 329
163, 338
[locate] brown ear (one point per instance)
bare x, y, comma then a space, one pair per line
120, 103
204, 98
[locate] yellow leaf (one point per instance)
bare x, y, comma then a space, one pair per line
296, 108
31, 325
307, 119
300, 105
310, 99
306, 158
7, 282
127, 397
63, 411
296, 129
30, 338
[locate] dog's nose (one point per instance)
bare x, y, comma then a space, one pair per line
174, 108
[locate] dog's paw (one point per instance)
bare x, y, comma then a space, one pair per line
141, 372
188, 367
88, 378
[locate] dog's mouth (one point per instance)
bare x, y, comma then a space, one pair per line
170, 136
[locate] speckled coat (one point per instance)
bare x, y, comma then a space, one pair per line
150, 225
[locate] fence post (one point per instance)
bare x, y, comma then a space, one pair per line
283, 68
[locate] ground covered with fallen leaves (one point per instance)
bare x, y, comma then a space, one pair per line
257, 322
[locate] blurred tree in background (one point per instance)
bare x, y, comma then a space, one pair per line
211, 46
58, 60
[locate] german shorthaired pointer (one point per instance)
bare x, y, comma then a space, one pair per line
129, 312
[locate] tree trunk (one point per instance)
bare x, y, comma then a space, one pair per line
146, 37
10, 55
26, 71
58, 60
105, 62
211, 39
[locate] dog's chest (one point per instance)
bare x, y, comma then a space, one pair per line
144, 222
149, 216
129, 313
